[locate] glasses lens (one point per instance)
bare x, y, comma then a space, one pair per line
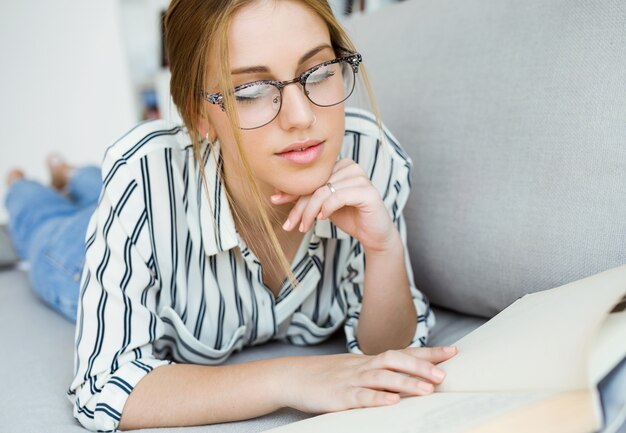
257, 105
330, 84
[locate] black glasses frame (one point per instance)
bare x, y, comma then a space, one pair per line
353, 59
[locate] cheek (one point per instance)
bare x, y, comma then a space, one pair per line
252, 141
226, 137
334, 119
334, 124
220, 123
229, 150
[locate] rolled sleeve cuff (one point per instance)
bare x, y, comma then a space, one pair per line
425, 321
102, 411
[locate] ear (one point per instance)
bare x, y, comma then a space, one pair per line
205, 129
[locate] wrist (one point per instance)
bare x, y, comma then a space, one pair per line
283, 381
392, 245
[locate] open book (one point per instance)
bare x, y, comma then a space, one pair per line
532, 368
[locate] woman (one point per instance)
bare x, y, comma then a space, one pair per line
253, 222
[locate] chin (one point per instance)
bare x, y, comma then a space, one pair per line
303, 189
305, 184
305, 180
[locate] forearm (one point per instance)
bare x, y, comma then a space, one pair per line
185, 394
388, 316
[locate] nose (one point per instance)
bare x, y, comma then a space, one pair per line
296, 111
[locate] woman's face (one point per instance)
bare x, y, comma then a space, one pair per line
278, 40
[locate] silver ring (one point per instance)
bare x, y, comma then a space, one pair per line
331, 187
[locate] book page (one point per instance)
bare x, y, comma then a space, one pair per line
569, 412
609, 345
435, 413
541, 341
526, 367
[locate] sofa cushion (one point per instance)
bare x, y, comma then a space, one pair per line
515, 117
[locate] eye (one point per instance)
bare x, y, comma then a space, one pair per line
320, 75
249, 94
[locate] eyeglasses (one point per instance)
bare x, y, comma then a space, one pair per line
327, 84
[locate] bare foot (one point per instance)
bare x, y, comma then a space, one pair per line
59, 171
14, 174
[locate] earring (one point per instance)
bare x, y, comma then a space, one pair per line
208, 139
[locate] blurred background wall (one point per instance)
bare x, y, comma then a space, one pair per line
64, 83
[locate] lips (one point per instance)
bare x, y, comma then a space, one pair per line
299, 146
302, 153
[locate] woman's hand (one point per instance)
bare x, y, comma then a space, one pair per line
355, 206
331, 383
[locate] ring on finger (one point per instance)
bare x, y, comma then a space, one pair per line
331, 187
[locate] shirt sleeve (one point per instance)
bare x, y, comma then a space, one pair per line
392, 178
116, 322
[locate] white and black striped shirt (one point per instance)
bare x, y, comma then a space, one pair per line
160, 285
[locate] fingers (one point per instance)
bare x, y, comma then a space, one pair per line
355, 191
396, 382
296, 212
346, 381
324, 203
432, 354
283, 197
404, 362
365, 397
397, 373
349, 193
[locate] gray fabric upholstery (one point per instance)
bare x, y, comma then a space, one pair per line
37, 359
515, 116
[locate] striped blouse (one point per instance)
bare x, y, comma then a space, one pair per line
161, 285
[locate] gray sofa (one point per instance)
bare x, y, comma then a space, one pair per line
515, 117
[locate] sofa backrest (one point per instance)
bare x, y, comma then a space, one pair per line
514, 113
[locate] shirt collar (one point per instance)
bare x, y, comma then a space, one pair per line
216, 219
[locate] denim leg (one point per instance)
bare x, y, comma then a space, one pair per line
57, 261
612, 391
30, 205
48, 230
84, 185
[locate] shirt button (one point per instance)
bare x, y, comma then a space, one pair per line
76, 276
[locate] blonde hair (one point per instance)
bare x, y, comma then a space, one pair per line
193, 30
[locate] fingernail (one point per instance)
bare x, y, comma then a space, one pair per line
424, 386
287, 225
301, 227
320, 216
449, 349
437, 373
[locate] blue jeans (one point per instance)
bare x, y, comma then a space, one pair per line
48, 230
613, 398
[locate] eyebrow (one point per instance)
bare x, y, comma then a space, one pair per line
258, 69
